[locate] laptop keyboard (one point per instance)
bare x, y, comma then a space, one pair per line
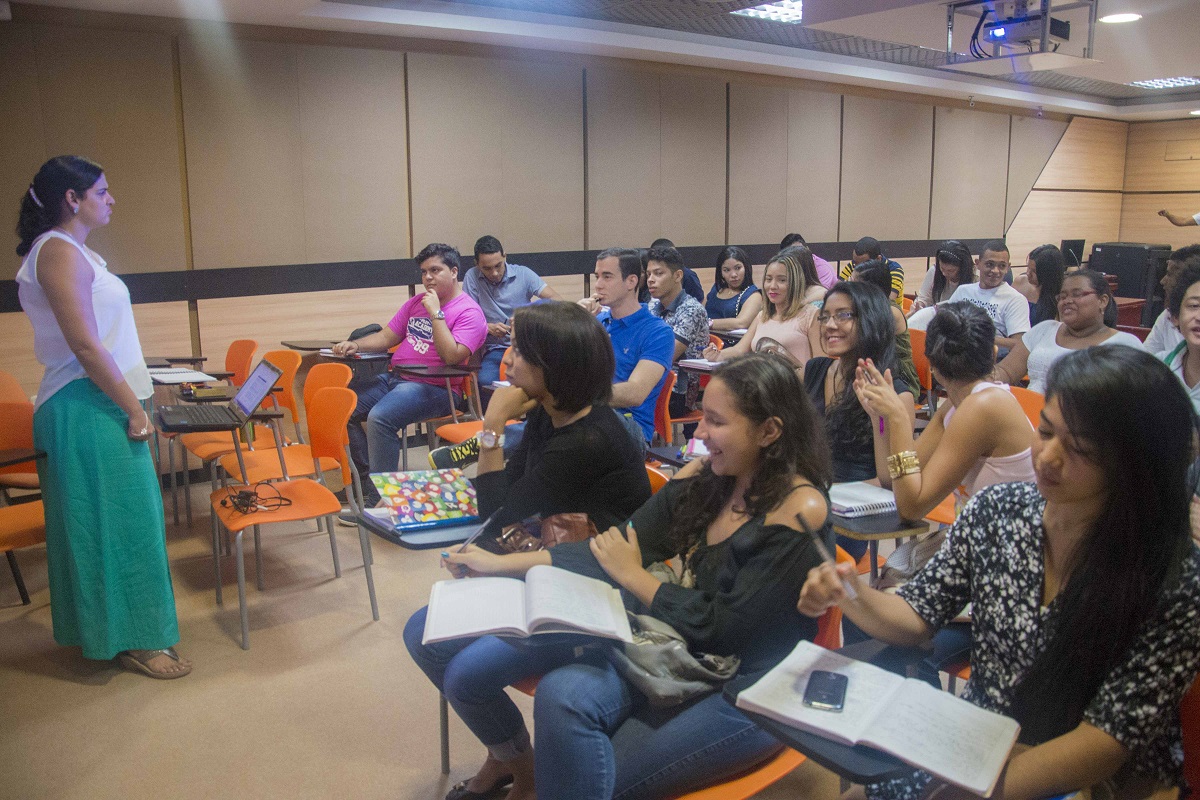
207, 414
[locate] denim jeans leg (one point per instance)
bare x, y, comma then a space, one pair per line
370, 390
407, 402
489, 367
575, 710
472, 673
668, 752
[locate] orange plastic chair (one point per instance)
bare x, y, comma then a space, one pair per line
328, 417
298, 459
21, 525
924, 372
662, 412
1189, 718
1032, 402
16, 433
658, 478
945, 513
906, 304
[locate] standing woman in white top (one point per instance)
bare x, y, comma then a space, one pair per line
792, 295
1081, 304
110, 585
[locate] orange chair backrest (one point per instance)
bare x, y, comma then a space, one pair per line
328, 415
289, 362
920, 360
322, 375
503, 368
10, 389
829, 625
1189, 718
662, 408
1031, 402
658, 478
716, 341
16, 432
906, 304
238, 359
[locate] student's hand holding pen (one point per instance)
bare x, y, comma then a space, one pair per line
471, 561
711, 353
827, 586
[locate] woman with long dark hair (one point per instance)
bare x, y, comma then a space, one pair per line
734, 300
953, 266
1042, 282
1085, 588
730, 522
105, 536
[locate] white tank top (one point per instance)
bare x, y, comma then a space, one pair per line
114, 324
992, 469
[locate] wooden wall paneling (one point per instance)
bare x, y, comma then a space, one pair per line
1140, 221
758, 157
245, 176
1146, 166
813, 165
692, 120
541, 124
1032, 143
353, 153
914, 273
22, 137
1090, 155
1051, 216
110, 96
970, 165
625, 183
18, 358
886, 166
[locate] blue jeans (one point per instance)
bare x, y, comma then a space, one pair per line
489, 368
597, 738
472, 673
388, 404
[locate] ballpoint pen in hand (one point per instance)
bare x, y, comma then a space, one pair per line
826, 556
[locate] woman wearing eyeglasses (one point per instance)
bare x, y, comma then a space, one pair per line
1081, 304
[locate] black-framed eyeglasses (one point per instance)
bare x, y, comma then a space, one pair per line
841, 317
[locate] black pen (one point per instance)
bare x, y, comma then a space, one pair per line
826, 556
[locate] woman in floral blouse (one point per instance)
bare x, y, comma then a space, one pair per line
1085, 588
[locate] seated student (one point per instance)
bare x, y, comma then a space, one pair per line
684, 316
500, 288
826, 274
866, 249
1085, 589
953, 267
874, 272
855, 323
1081, 306
1042, 282
734, 300
1164, 335
691, 281
441, 325
643, 344
1184, 305
1007, 307
730, 521
792, 300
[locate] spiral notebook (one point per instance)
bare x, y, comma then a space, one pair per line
427, 498
860, 499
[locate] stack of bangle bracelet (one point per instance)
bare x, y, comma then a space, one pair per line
901, 464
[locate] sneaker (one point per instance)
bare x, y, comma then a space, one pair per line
347, 519
455, 456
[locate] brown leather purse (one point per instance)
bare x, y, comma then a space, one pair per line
537, 533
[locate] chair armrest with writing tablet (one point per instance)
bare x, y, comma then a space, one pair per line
219, 374
185, 359
267, 413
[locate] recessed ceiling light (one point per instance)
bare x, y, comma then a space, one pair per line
1196, 113
1166, 83
779, 11
1115, 18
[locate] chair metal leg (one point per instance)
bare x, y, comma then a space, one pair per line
216, 548
258, 562
187, 486
364, 543
444, 717
241, 573
21, 590
337, 564
174, 488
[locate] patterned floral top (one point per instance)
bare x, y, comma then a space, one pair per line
993, 558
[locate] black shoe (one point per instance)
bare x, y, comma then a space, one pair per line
347, 519
453, 456
459, 791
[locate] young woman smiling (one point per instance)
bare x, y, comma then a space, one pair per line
734, 300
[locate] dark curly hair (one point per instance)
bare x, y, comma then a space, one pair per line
959, 342
763, 387
42, 204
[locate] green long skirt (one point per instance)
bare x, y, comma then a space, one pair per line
110, 586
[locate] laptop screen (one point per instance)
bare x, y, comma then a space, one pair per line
257, 387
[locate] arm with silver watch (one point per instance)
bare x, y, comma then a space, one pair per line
490, 440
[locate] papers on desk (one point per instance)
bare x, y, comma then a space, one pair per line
500, 384
174, 375
922, 726
698, 364
860, 499
739, 332
328, 351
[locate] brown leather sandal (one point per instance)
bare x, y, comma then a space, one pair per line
139, 661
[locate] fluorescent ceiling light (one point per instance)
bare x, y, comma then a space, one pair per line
780, 11
1166, 83
1195, 113
1116, 18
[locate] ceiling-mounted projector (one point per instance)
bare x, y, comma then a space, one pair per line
1025, 30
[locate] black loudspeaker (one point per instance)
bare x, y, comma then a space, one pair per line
1139, 268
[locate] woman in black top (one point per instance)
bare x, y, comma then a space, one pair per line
731, 525
855, 323
575, 456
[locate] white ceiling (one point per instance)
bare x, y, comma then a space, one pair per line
1162, 44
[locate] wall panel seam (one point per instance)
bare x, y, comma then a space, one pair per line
408, 179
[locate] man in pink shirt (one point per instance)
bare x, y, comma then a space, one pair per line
441, 326
826, 274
